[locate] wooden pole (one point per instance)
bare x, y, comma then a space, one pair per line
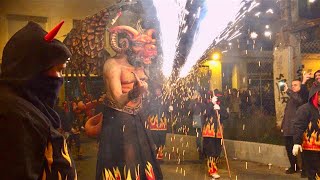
224, 147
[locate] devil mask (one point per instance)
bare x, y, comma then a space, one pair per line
142, 45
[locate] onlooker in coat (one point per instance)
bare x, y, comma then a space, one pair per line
295, 100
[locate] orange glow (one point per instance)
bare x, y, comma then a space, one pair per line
216, 56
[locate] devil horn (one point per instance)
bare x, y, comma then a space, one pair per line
51, 34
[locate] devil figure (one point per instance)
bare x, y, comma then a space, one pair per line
125, 147
212, 132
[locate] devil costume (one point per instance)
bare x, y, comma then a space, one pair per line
212, 133
125, 145
307, 133
31, 147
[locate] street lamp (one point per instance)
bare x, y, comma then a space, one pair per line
216, 56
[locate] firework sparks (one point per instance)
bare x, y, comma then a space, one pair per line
216, 17
170, 14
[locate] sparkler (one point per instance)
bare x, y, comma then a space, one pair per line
204, 38
170, 14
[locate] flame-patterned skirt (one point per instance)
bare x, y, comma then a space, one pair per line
125, 148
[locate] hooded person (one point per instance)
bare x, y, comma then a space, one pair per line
212, 133
157, 121
307, 77
31, 146
316, 76
307, 133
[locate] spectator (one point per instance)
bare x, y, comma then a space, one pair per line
196, 108
306, 78
295, 100
234, 111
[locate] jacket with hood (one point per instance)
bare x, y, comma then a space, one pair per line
31, 145
307, 122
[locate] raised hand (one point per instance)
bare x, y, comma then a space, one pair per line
141, 85
306, 76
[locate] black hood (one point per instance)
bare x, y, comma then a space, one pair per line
27, 54
25, 57
313, 94
313, 90
314, 75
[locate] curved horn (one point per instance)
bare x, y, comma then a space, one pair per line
114, 37
113, 42
131, 31
51, 34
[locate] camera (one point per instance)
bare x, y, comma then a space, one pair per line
281, 85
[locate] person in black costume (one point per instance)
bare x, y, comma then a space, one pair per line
212, 134
31, 145
157, 122
306, 133
295, 100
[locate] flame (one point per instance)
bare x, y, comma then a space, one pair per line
212, 167
317, 176
59, 176
149, 172
129, 175
160, 153
311, 142
48, 153
208, 130
108, 175
44, 175
137, 172
318, 123
117, 173
76, 175
219, 133
65, 153
154, 125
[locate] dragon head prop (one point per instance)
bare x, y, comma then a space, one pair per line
141, 44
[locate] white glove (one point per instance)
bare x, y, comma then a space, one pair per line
296, 148
214, 99
216, 107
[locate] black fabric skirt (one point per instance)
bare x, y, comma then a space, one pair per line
125, 148
159, 137
212, 147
